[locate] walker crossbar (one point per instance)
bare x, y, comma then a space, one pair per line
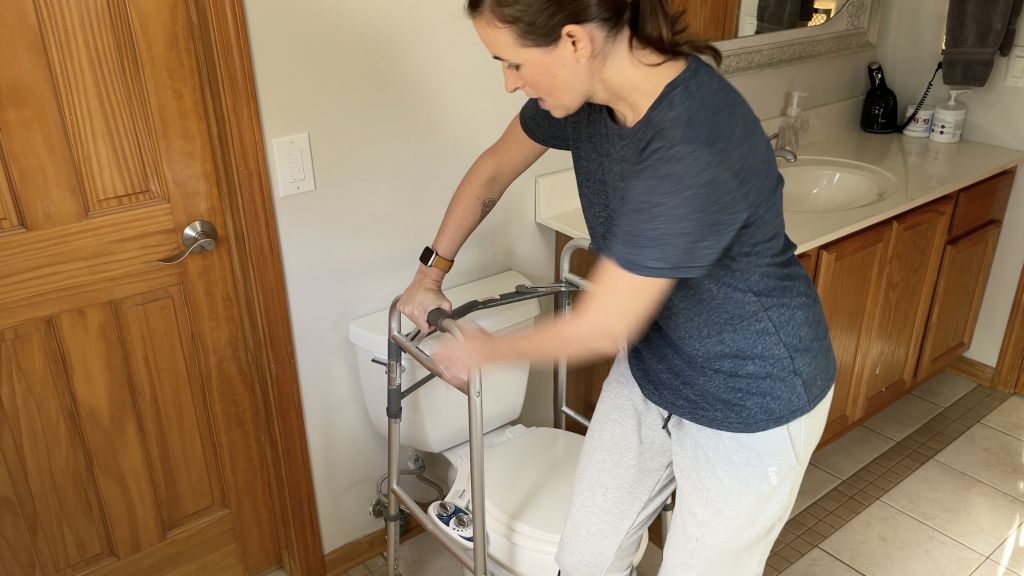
398, 343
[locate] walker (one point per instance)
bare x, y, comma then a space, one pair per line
445, 321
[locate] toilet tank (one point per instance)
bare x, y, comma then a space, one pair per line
436, 417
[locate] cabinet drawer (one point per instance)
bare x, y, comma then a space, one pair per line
981, 203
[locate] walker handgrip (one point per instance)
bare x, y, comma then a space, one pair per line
438, 315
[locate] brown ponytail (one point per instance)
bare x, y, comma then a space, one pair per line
651, 23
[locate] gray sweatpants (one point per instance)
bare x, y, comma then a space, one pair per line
734, 491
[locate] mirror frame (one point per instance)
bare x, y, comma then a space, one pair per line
855, 28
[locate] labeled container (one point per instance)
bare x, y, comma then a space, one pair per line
921, 125
949, 120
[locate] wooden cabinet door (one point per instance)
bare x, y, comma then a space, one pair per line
895, 341
711, 19
850, 276
962, 279
809, 260
128, 427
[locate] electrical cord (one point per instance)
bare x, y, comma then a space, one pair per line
924, 98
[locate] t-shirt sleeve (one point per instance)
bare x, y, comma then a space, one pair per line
679, 211
542, 127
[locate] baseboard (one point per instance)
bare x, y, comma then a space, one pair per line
341, 560
977, 372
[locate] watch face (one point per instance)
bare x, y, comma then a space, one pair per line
426, 256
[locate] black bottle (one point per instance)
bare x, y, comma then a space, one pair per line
880, 109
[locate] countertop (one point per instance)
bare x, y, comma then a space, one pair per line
924, 170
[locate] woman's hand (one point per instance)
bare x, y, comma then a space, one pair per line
422, 296
457, 358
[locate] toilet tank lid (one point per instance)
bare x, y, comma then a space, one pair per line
370, 332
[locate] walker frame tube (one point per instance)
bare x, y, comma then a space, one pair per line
446, 322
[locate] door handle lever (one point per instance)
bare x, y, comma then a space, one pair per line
199, 236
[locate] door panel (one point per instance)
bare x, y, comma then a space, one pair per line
43, 448
10, 220
97, 78
129, 437
110, 419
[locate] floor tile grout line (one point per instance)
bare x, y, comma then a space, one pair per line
811, 523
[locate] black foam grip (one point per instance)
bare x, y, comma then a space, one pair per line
438, 315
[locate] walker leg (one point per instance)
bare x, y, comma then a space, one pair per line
394, 412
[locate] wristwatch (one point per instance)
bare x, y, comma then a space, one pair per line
430, 258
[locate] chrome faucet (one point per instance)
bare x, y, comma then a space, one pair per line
783, 153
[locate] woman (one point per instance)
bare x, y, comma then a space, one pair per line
725, 388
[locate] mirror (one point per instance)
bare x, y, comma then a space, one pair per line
776, 32
767, 16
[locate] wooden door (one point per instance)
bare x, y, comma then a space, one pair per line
128, 426
850, 276
809, 260
913, 265
954, 314
711, 19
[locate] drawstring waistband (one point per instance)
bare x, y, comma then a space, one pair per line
665, 425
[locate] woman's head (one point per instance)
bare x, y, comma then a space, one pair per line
652, 24
541, 42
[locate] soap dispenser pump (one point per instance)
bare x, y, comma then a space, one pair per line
950, 117
792, 123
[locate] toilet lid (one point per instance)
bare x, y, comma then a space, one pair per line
529, 479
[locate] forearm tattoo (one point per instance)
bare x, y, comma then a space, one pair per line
486, 207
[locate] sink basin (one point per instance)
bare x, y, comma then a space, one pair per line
832, 185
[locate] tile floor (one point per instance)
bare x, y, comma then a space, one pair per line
932, 486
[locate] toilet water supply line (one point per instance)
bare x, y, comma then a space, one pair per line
445, 321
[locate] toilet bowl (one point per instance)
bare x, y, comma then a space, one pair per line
528, 471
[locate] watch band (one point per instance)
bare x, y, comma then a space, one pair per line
431, 259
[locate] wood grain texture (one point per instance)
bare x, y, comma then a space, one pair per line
97, 76
809, 260
110, 422
17, 553
963, 277
981, 203
209, 548
905, 299
38, 152
1009, 370
66, 259
170, 393
977, 372
42, 447
243, 169
10, 214
858, 260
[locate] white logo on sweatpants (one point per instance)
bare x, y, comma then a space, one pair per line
771, 475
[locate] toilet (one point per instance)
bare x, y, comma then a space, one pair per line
528, 472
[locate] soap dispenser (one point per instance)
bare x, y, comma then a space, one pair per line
789, 132
950, 117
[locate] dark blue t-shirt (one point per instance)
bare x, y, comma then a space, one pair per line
692, 192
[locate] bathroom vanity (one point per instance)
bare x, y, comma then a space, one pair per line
899, 245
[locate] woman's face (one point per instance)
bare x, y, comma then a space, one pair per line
555, 75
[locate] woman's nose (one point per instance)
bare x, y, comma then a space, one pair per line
512, 81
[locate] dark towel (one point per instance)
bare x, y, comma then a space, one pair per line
974, 31
1011, 30
775, 15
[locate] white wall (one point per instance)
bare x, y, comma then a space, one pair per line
399, 98
910, 44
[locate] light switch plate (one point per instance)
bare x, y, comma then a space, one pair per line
294, 163
1015, 67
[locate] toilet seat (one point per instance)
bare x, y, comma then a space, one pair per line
529, 480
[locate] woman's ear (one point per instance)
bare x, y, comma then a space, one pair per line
579, 40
